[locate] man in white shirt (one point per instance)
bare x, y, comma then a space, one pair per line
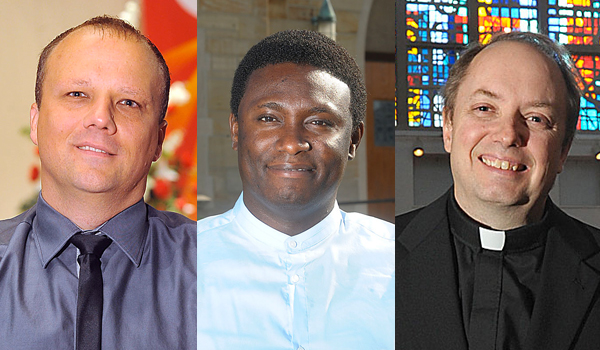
286, 268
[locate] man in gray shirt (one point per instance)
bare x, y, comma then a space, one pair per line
101, 96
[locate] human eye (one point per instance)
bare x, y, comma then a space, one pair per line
267, 118
320, 122
483, 108
76, 94
129, 103
539, 121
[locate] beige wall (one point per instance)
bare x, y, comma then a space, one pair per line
226, 31
26, 26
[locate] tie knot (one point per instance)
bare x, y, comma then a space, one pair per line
91, 244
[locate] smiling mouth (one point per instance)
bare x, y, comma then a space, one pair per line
503, 164
88, 148
292, 168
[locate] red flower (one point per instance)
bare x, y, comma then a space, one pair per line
162, 189
34, 173
180, 202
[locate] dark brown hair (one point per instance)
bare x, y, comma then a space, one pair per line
544, 45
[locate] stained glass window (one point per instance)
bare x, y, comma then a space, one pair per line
439, 21
500, 15
427, 72
437, 30
574, 22
589, 67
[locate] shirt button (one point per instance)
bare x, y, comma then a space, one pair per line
295, 278
293, 244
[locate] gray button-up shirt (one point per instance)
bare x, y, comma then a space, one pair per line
149, 274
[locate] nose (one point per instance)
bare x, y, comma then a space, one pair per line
101, 116
511, 131
292, 140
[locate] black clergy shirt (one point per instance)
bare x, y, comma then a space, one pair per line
149, 274
504, 284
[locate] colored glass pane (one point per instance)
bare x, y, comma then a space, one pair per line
436, 21
506, 15
427, 72
574, 22
589, 68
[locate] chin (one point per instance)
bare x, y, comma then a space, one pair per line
504, 198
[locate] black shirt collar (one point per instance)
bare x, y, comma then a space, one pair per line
464, 228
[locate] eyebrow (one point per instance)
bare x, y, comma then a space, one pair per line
271, 105
278, 107
80, 82
125, 90
535, 104
487, 93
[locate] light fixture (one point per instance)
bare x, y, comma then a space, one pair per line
418, 152
597, 155
326, 20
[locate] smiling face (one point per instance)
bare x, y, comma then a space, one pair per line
294, 137
98, 126
506, 132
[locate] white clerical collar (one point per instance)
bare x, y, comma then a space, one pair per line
492, 239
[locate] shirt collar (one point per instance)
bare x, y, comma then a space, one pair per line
281, 241
52, 230
521, 238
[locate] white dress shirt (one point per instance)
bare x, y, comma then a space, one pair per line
329, 287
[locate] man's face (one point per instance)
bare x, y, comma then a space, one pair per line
506, 133
98, 125
293, 136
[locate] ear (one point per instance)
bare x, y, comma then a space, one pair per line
34, 114
563, 156
357, 135
233, 131
162, 129
447, 129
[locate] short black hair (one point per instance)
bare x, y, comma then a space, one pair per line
303, 47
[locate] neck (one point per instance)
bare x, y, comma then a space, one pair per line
89, 210
293, 219
503, 218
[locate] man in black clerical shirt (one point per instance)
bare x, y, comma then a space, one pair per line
493, 263
98, 119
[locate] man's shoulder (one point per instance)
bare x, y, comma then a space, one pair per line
431, 213
403, 220
170, 220
568, 223
369, 224
215, 221
9, 226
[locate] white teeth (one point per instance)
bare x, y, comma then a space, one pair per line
500, 164
88, 148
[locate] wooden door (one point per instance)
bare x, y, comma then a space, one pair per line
380, 81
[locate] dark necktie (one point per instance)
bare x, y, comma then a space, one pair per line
89, 300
